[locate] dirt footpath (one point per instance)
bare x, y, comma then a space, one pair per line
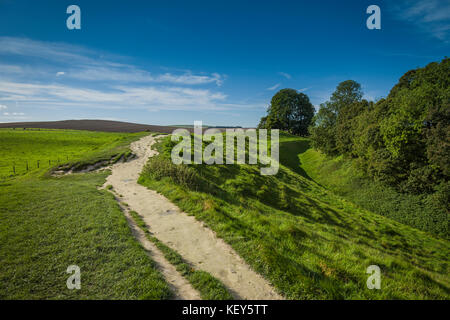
197, 244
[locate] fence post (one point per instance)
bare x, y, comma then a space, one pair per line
14, 169
27, 165
38, 164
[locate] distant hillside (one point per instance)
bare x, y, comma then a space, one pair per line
92, 125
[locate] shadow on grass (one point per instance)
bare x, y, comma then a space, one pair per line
289, 155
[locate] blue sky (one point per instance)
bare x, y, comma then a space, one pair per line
173, 62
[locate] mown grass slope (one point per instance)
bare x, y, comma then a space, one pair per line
47, 148
309, 242
48, 224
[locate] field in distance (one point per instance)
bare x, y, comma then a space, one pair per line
24, 151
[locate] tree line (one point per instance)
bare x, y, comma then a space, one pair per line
402, 140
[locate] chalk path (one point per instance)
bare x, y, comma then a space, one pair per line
197, 244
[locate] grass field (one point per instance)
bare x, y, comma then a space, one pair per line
309, 242
48, 148
48, 223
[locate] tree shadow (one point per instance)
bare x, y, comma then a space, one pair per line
289, 155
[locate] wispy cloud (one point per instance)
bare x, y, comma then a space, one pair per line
189, 78
274, 87
13, 116
89, 80
3, 107
118, 97
431, 16
87, 65
284, 74
304, 89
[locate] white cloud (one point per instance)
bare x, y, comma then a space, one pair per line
274, 87
127, 73
13, 116
284, 74
117, 97
431, 16
303, 89
3, 107
189, 78
105, 83
88, 65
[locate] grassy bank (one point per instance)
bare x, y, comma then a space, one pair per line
48, 224
343, 177
310, 243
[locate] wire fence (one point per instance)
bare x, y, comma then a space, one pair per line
19, 167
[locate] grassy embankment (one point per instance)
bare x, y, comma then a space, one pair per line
309, 242
49, 223
343, 177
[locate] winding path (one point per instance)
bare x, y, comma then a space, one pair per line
197, 244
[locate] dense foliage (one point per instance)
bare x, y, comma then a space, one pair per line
402, 140
290, 111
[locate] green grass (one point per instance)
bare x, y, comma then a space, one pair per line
309, 242
209, 287
50, 148
343, 177
48, 223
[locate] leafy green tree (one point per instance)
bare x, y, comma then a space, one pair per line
415, 130
328, 133
323, 130
346, 125
368, 144
289, 110
262, 123
346, 93
438, 137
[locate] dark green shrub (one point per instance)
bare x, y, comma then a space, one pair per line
159, 167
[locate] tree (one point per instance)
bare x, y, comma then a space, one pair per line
438, 137
323, 130
328, 126
415, 130
346, 125
346, 93
289, 110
